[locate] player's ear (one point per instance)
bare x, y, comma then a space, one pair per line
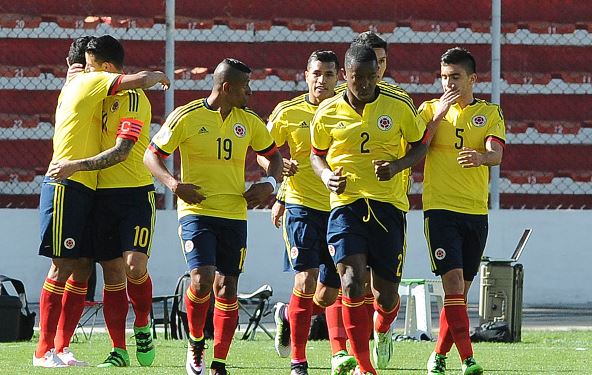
473, 78
226, 87
344, 73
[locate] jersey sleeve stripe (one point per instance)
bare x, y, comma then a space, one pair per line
496, 139
267, 151
405, 100
318, 152
114, 85
182, 112
155, 149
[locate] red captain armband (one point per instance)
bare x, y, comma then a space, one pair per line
496, 140
318, 152
130, 128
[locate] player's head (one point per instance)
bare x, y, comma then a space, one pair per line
78, 49
104, 53
231, 80
361, 72
458, 69
321, 75
379, 45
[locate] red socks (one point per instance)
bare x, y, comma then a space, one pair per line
72, 307
115, 308
445, 340
50, 307
384, 319
197, 312
337, 334
225, 322
299, 315
457, 317
357, 326
139, 292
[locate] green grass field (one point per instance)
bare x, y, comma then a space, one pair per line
556, 352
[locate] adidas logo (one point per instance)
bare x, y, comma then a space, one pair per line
203, 130
303, 125
340, 126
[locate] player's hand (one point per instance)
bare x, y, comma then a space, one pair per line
163, 80
469, 158
385, 170
61, 169
189, 193
73, 70
277, 212
446, 101
290, 167
257, 194
334, 180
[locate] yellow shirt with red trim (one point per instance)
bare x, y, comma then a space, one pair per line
405, 176
77, 129
352, 141
213, 153
126, 115
290, 123
446, 185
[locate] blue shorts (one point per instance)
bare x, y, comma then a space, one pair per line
64, 210
305, 231
122, 220
455, 240
214, 241
369, 227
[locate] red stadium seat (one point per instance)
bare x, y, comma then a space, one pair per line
193, 23
303, 24
129, 22
527, 78
245, 23
75, 22
378, 26
577, 175
13, 154
18, 121
551, 28
576, 77
557, 127
546, 158
545, 201
432, 26
416, 77
18, 71
19, 21
17, 175
528, 177
516, 127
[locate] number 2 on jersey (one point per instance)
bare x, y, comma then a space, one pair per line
366, 137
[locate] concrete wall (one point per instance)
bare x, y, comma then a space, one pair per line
555, 260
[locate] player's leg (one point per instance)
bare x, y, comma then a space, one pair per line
231, 253
137, 229
115, 307
386, 258
347, 238
64, 210
72, 308
199, 244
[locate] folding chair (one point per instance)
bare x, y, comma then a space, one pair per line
259, 298
88, 319
165, 320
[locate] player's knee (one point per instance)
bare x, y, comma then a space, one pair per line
352, 285
135, 271
325, 296
387, 301
306, 281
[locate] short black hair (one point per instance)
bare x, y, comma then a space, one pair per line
107, 49
323, 56
230, 70
359, 53
459, 56
236, 64
370, 39
77, 50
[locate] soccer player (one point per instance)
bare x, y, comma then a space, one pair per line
65, 204
304, 205
356, 139
333, 312
124, 210
212, 135
467, 136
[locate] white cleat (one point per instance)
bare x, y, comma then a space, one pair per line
282, 331
68, 358
382, 350
49, 360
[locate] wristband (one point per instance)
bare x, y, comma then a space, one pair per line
326, 175
271, 180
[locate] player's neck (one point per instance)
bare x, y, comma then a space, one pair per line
466, 100
216, 103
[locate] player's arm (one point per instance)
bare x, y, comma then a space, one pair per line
494, 151
258, 192
385, 170
142, 80
155, 164
333, 180
446, 101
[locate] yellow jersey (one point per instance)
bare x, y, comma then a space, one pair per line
447, 185
352, 141
290, 122
213, 153
77, 129
126, 115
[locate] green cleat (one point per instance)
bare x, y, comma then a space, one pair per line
437, 364
342, 363
145, 351
117, 358
471, 367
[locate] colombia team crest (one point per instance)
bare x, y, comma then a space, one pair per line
479, 120
384, 123
115, 106
239, 130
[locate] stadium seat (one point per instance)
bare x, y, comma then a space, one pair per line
379, 26
236, 23
528, 177
18, 121
431, 26
16, 174
526, 78
576, 77
545, 201
303, 24
557, 127
577, 175
516, 127
19, 71
19, 21
551, 28
75, 22
193, 23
